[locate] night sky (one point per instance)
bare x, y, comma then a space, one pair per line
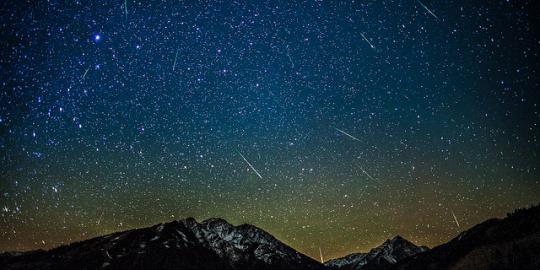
331, 124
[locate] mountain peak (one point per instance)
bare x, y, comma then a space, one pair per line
395, 240
390, 251
509, 243
182, 244
215, 221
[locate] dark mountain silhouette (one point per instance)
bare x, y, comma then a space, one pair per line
390, 252
509, 243
185, 244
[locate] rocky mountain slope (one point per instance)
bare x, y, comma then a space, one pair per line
390, 252
509, 243
185, 244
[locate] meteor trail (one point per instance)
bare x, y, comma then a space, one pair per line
175, 57
428, 10
367, 40
347, 134
100, 218
84, 75
251, 166
455, 218
125, 7
289, 56
364, 171
320, 252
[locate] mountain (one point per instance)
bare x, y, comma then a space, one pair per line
390, 252
509, 243
184, 244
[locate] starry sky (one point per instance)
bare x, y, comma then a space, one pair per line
331, 124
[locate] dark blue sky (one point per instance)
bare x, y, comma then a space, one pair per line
364, 119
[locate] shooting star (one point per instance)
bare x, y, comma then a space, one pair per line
84, 75
289, 56
251, 166
175, 57
347, 134
428, 10
125, 8
455, 218
320, 252
100, 218
367, 40
368, 175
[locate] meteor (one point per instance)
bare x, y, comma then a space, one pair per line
84, 75
320, 252
428, 10
367, 40
455, 218
347, 134
175, 57
251, 166
100, 218
289, 56
364, 171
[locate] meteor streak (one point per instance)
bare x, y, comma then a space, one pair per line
428, 10
175, 57
84, 75
370, 177
100, 218
367, 40
320, 252
251, 166
347, 134
455, 218
289, 56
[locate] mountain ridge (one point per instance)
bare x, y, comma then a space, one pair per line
512, 242
389, 252
211, 244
